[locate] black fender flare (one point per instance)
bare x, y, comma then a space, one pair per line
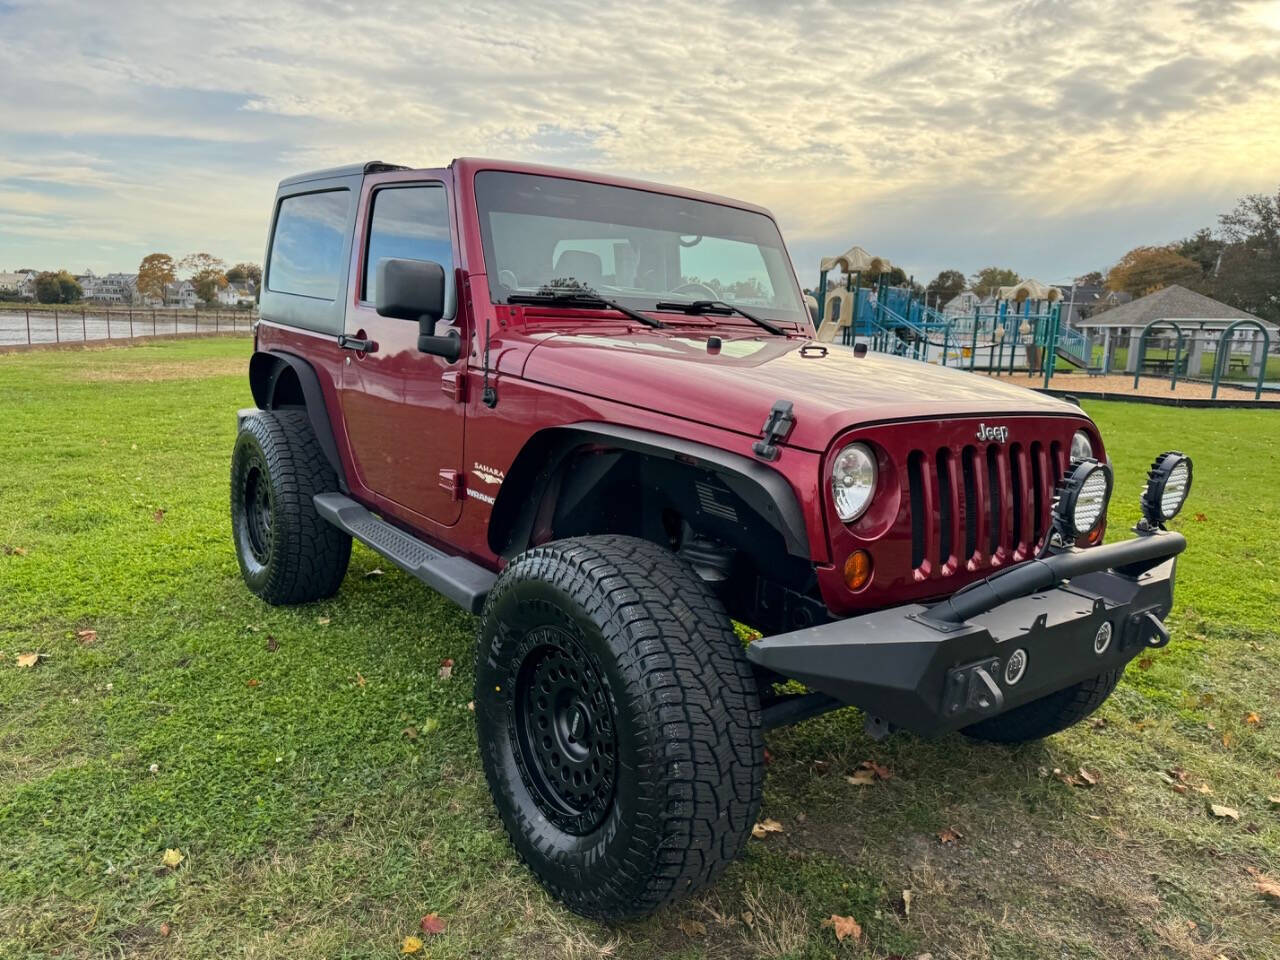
265, 370
762, 488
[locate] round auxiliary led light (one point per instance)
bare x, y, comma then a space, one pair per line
1082, 500
1081, 446
1168, 483
853, 481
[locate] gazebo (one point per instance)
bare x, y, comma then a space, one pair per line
1172, 310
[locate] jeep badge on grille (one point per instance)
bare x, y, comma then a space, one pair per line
998, 434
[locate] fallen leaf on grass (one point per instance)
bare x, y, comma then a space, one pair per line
768, 757
360, 680
1088, 778
446, 668
322, 621
1178, 787
765, 827
1275, 800
87, 637
692, 928
907, 897
410, 732
1224, 813
253, 682
432, 924
411, 945
272, 644
375, 572
1205, 789
27, 659
14, 551
158, 516
1253, 720
1201, 518
949, 835
172, 858
1265, 885
844, 927
879, 769
861, 778
1145, 663
1226, 739
165, 929
471, 705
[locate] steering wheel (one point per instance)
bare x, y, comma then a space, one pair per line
696, 288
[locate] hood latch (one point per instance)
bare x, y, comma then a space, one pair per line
775, 430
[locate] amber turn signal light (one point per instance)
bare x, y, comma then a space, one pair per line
857, 569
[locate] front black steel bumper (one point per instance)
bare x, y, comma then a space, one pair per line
1002, 642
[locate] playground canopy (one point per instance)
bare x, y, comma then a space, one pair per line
856, 259
1030, 289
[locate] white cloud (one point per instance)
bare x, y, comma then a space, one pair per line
955, 133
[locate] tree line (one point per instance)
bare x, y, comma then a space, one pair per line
206, 273
1237, 263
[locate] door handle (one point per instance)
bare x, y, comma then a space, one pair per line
358, 344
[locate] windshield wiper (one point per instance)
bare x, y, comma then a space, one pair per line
583, 298
699, 307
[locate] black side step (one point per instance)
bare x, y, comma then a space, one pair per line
465, 583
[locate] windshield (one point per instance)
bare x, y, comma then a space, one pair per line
633, 246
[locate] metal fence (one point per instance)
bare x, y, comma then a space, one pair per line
88, 323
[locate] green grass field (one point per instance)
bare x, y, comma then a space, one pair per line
320, 780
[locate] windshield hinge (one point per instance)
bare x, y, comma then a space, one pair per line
776, 429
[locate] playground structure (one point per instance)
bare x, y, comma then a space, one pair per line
1022, 331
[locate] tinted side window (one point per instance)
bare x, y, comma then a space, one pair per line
409, 223
306, 251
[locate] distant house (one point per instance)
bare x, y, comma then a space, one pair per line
180, 294
20, 285
112, 288
1080, 301
964, 303
237, 293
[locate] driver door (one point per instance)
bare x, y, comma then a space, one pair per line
404, 430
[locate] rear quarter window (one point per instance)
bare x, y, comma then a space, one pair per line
308, 244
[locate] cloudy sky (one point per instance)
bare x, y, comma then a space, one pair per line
1045, 135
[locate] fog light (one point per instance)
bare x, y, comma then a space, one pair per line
1168, 483
1102, 639
1082, 497
1015, 667
857, 569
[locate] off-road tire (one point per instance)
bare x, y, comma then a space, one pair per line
299, 556
1049, 715
684, 713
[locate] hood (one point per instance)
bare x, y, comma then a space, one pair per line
734, 388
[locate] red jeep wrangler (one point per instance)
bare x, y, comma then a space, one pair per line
591, 411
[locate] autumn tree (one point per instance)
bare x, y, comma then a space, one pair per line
1248, 273
155, 273
990, 279
1093, 278
207, 274
245, 271
1144, 270
57, 287
945, 286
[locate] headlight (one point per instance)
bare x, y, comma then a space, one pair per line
1082, 500
1168, 483
1081, 446
853, 481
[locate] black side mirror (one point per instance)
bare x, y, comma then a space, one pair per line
414, 290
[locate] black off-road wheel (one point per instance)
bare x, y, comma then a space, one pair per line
619, 724
287, 552
1048, 715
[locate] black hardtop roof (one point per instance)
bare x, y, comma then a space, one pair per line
349, 170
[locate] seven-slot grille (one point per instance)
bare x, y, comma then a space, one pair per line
980, 505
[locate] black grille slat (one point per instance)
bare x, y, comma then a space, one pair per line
945, 496
915, 483
970, 503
